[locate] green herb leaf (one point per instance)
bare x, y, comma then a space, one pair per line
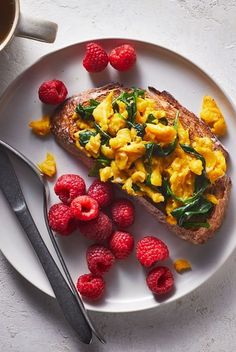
135, 187
167, 191
138, 91
149, 151
130, 100
93, 102
115, 107
151, 118
102, 161
199, 207
139, 127
85, 136
104, 135
86, 112
163, 121
201, 184
201, 181
191, 150
148, 180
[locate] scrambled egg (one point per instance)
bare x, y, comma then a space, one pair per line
103, 112
145, 107
182, 265
160, 133
93, 146
215, 161
48, 166
212, 115
182, 171
171, 204
41, 127
125, 150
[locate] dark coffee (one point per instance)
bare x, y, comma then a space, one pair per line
7, 15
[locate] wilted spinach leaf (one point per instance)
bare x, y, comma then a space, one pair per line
130, 100
191, 150
163, 121
85, 112
201, 181
105, 136
135, 187
85, 136
151, 118
139, 127
200, 207
102, 161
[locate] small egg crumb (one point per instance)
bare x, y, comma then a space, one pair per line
41, 127
48, 166
212, 115
182, 265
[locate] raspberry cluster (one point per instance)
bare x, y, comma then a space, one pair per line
122, 58
88, 212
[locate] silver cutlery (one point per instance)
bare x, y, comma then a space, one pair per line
67, 296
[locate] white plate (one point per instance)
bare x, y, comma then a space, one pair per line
156, 66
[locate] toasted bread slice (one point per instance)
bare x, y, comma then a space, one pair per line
64, 127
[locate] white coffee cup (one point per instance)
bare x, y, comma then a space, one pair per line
29, 27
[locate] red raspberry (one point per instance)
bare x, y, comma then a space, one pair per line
99, 259
96, 58
61, 219
121, 244
52, 92
98, 229
101, 191
84, 208
122, 212
68, 187
123, 57
160, 280
91, 286
150, 249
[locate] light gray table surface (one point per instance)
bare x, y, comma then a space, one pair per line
205, 320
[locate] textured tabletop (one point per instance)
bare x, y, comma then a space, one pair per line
203, 31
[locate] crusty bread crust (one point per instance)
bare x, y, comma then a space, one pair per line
64, 127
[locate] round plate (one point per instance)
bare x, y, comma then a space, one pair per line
158, 67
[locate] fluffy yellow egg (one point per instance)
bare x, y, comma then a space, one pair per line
93, 145
41, 127
48, 166
160, 133
103, 112
212, 115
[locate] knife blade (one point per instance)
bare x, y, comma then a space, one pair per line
12, 191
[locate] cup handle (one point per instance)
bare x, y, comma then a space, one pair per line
37, 29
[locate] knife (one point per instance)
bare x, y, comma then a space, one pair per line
12, 191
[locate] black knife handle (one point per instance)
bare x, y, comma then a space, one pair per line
11, 189
63, 293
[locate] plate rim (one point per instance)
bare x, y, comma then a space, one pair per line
171, 52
